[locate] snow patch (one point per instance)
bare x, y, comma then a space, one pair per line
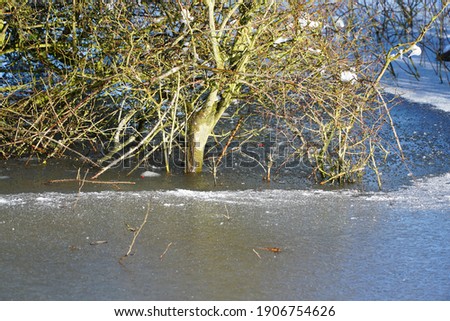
44, 199
426, 89
12, 201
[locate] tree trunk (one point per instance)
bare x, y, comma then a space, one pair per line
200, 126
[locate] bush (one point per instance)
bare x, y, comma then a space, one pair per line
131, 79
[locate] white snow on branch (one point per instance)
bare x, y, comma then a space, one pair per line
415, 51
186, 16
282, 40
304, 23
339, 22
315, 51
349, 76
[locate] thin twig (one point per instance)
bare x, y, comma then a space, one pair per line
228, 214
145, 140
165, 251
409, 46
78, 180
81, 184
270, 249
232, 135
136, 234
257, 254
82, 180
391, 123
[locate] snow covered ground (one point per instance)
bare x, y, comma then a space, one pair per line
426, 89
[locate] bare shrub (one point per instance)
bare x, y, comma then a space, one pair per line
131, 79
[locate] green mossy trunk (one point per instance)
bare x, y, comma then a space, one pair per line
200, 128
201, 125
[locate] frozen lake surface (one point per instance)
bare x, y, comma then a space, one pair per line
209, 245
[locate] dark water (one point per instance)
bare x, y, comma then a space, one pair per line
206, 242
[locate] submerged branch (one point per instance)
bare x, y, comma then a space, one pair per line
82, 181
